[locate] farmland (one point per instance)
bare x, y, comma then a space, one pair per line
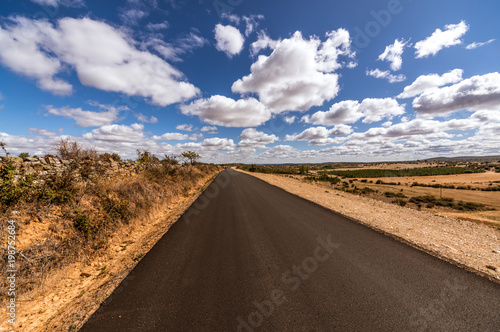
466, 190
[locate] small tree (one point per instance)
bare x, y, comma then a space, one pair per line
303, 169
70, 149
191, 156
24, 155
2, 145
144, 156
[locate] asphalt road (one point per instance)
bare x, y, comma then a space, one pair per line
248, 256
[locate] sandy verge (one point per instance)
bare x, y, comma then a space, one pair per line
472, 246
70, 296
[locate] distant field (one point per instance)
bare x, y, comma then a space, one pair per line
479, 180
424, 171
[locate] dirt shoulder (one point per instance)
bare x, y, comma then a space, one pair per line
69, 296
472, 246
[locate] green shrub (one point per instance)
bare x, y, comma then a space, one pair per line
399, 201
81, 221
424, 171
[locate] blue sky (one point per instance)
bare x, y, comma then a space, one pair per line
252, 81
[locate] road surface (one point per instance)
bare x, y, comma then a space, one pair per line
248, 256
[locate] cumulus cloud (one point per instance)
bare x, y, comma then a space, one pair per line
117, 133
425, 128
290, 119
477, 45
185, 127
351, 111
211, 129
426, 82
251, 138
321, 135
41, 132
377, 73
222, 111
229, 39
299, 73
393, 54
102, 56
88, 118
211, 144
172, 137
143, 118
475, 93
20, 50
440, 39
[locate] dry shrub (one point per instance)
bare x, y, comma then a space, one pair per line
70, 149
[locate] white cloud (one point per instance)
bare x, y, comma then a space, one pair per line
426, 82
290, 119
251, 23
196, 136
56, 86
376, 109
229, 39
57, 3
475, 93
251, 138
214, 144
212, 129
263, 42
102, 56
172, 137
117, 133
393, 54
476, 45
320, 135
133, 16
20, 51
174, 51
88, 118
424, 128
41, 132
441, 39
143, 118
227, 112
377, 73
351, 111
299, 73
185, 127
157, 26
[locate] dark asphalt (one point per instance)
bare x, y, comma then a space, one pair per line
248, 256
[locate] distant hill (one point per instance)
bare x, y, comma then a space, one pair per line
480, 159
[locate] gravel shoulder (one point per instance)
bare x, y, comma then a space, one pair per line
472, 246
